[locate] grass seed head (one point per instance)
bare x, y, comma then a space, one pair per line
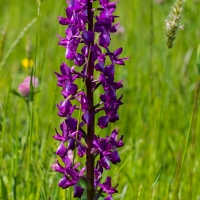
173, 22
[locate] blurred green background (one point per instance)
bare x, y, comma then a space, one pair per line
159, 93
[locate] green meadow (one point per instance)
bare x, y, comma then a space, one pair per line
159, 118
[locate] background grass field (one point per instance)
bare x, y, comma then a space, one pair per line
159, 94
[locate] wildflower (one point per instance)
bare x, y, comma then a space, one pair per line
26, 63
24, 87
90, 60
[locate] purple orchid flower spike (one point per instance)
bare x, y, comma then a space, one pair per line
84, 26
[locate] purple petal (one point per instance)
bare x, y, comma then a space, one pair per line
104, 40
81, 151
114, 134
79, 59
71, 49
63, 42
75, 5
111, 94
118, 51
99, 66
98, 27
103, 121
66, 182
67, 161
62, 150
71, 124
69, 54
81, 173
71, 88
69, 33
64, 69
114, 141
64, 108
120, 143
87, 117
71, 144
106, 186
119, 62
114, 28
63, 20
102, 2
84, 102
109, 70
114, 118
65, 132
97, 174
57, 167
58, 136
88, 36
78, 191
84, 51
115, 158
108, 198
72, 173
104, 162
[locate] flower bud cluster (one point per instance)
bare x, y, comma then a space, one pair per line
88, 57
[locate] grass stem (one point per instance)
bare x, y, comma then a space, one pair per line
194, 111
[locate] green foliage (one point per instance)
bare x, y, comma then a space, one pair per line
4, 193
158, 175
27, 149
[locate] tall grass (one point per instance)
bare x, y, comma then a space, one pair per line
25, 173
